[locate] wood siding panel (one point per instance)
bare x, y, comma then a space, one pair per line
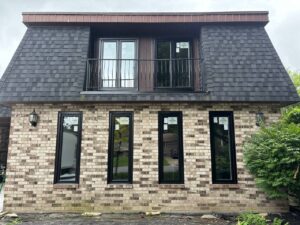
212, 17
146, 67
196, 56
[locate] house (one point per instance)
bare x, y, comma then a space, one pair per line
140, 111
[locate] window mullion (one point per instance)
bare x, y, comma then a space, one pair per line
119, 58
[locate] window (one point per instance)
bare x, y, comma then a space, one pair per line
170, 147
118, 64
173, 64
68, 147
120, 148
222, 147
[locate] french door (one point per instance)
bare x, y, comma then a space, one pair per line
173, 64
118, 64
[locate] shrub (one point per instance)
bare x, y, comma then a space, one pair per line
256, 219
251, 219
273, 156
292, 115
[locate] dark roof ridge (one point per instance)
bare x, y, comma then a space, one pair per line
148, 13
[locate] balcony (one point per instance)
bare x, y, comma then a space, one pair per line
134, 74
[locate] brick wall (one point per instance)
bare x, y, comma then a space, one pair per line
31, 160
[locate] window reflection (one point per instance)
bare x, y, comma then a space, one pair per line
222, 147
121, 148
171, 148
109, 64
68, 147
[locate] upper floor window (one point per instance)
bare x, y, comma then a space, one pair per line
68, 147
222, 147
118, 63
173, 64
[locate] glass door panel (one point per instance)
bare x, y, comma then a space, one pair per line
128, 63
163, 71
109, 64
181, 64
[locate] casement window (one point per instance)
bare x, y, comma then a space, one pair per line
120, 147
68, 147
222, 147
173, 64
118, 64
170, 147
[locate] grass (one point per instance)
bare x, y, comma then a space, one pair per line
15, 221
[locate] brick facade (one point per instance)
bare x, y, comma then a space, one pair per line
31, 160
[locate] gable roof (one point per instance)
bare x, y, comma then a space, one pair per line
238, 63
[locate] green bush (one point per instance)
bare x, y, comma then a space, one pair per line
251, 219
292, 115
273, 156
256, 219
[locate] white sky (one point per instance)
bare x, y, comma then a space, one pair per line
283, 28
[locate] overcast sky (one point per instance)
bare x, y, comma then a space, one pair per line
283, 28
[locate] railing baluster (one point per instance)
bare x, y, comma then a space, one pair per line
169, 73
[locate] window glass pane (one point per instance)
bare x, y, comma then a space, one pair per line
181, 65
171, 149
221, 147
121, 148
163, 63
109, 64
128, 63
182, 50
69, 139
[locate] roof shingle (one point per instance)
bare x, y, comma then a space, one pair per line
239, 63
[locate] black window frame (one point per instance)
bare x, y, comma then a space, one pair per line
59, 142
230, 116
172, 42
161, 116
112, 115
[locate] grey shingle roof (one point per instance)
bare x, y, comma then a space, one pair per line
48, 65
239, 64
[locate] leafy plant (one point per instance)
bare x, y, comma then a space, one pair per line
251, 219
256, 219
292, 115
273, 156
295, 76
278, 221
15, 222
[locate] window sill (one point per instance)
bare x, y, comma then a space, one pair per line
224, 186
172, 186
119, 186
109, 92
65, 186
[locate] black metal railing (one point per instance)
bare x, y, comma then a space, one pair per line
105, 74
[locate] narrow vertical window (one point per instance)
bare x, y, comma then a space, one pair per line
222, 147
68, 147
120, 148
170, 147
